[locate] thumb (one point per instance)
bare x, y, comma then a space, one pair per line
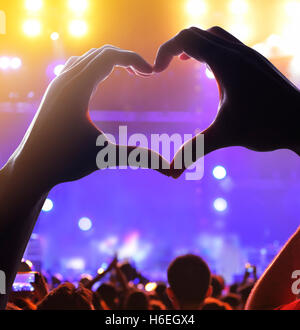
200, 145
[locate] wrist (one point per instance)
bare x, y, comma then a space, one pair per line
17, 182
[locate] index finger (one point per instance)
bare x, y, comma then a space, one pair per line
102, 65
199, 46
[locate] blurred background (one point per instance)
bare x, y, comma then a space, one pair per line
247, 203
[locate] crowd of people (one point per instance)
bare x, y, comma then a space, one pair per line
191, 286
121, 287
258, 110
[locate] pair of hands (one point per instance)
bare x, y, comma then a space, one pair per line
257, 109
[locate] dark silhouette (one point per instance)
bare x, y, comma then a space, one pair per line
189, 278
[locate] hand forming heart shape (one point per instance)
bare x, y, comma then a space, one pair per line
258, 105
253, 94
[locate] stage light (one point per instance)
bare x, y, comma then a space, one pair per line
15, 63
4, 63
292, 8
209, 74
33, 5
151, 286
57, 70
238, 7
196, 7
48, 205
75, 263
78, 28
54, 36
32, 27
78, 6
100, 271
220, 204
219, 172
85, 224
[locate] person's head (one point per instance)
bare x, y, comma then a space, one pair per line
233, 299
218, 284
136, 300
109, 294
161, 292
67, 297
189, 279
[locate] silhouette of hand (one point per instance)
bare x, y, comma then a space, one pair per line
258, 106
60, 144
40, 287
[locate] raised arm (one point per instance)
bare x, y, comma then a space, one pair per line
259, 108
59, 146
274, 288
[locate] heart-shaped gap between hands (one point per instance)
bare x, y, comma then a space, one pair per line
253, 94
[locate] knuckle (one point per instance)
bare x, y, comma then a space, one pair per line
184, 33
107, 46
72, 58
108, 52
216, 29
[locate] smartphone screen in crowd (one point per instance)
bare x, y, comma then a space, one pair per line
23, 282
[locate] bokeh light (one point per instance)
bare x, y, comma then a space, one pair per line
196, 7
85, 224
4, 63
238, 7
78, 6
33, 5
151, 286
48, 205
15, 63
58, 69
78, 28
292, 9
32, 27
100, 271
219, 172
54, 36
220, 204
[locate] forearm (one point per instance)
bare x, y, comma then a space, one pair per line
21, 200
122, 279
274, 288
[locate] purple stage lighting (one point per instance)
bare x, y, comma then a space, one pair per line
85, 224
219, 172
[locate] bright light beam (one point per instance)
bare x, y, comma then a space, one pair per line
196, 8
33, 5
78, 28
32, 27
78, 6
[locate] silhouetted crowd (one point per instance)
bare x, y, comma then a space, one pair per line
191, 285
